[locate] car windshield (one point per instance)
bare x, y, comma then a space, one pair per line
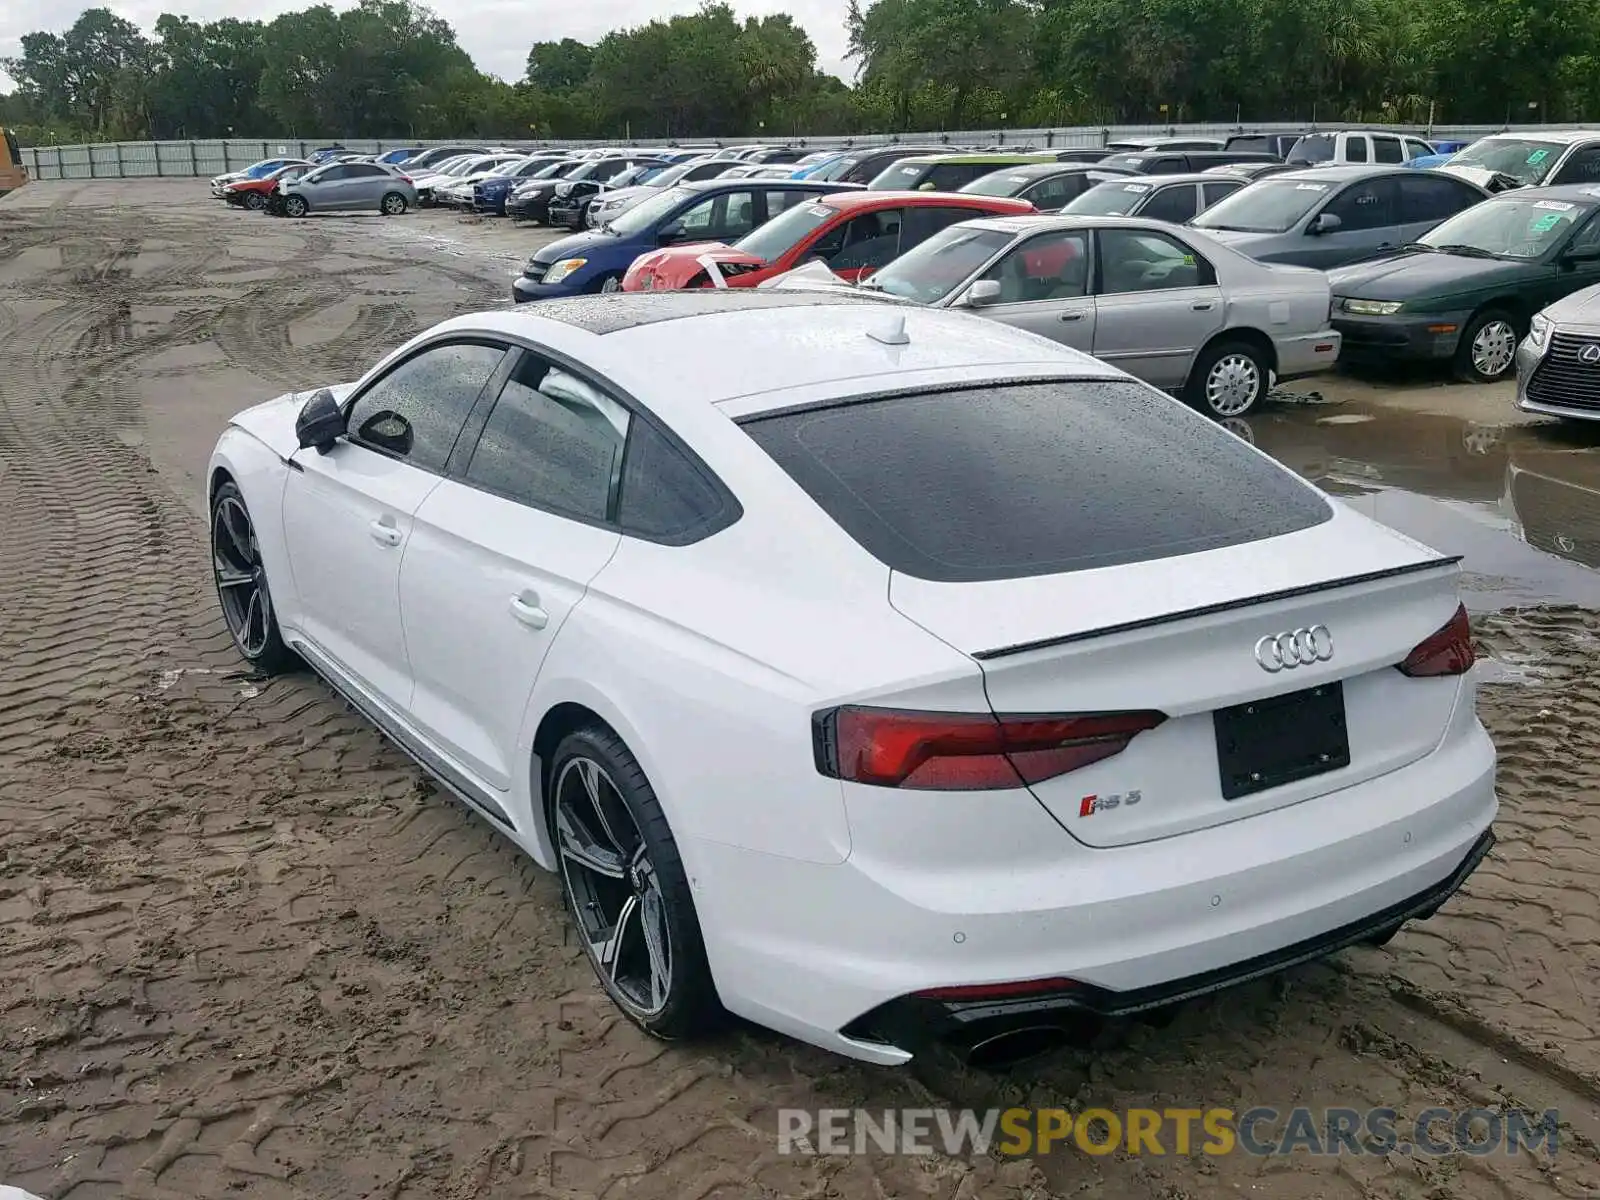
1508, 227
785, 231
900, 176
1524, 159
1266, 206
1313, 148
1000, 183
1111, 199
931, 271
647, 213
1010, 480
508, 168
837, 169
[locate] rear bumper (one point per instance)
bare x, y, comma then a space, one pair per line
1307, 354
914, 1020
829, 954
1425, 337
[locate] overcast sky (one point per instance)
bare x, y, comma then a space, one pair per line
497, 33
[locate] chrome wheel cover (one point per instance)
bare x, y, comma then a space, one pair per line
1233, 385
1494, 349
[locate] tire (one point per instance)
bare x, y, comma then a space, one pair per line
241, 581
295, 206
255, 201
1487, 352
611, 281
392, 204
661, 982
1228, 380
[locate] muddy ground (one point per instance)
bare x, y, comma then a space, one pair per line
247, 950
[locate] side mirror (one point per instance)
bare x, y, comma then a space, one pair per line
985, 291
320, 423
1324, 223
672, 232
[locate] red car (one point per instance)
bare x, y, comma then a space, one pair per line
854, 233
254, 193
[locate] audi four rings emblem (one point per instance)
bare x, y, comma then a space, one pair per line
1590, 354
1296, 648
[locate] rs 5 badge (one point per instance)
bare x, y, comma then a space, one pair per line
1090, 805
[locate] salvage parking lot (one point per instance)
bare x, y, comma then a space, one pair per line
246, 948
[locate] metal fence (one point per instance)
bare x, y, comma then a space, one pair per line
138, 160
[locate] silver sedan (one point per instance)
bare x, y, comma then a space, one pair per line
350, 187
1558, 363
1166, 304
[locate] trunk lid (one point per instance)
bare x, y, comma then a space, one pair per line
1179, 635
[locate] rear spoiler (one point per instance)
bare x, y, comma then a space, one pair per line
1309, 589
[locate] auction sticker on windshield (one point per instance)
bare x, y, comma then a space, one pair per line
1537, 157
1310, 187
1554, 205
820, 210
1545, 223
1016, 179
1136, 187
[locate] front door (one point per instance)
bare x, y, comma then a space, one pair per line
1044, 288
500, 555
348, 514
1156, 303
1368, 225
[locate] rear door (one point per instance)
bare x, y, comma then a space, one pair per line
1212, 192
1428, 198
1157, 302
1175, 203
1045, 288
366, 186
501, 553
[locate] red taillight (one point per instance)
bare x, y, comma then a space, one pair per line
405, 179
1448, 652
957, 752
997, 991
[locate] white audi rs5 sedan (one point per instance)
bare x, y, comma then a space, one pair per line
892, 678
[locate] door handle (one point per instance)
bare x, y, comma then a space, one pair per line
1070, 316
1203, 305
385, 532
525, 608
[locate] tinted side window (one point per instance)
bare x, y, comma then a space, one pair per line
1583, 166
1176, 204
1171, 164
1416, 149
921, 223
1009, 481
777, 202
1137, 261
665, 495
1053, 194
1355, 149
552, 441
868, 241
1587, 240
416, 411
1432, 198
331, 175
1368, 205
1386, 149
1216, 191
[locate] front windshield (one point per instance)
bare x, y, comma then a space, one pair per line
1110, 199
999, 183
899, 177
781, 234
837, 169
510, 168
1266, 206
1525, 159
646, 213
672, 174
931, 271
1509, 227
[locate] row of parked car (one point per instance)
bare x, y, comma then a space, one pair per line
1175, 258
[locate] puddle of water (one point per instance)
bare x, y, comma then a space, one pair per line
1520, 503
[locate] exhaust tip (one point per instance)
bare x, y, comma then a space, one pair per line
1014, 1047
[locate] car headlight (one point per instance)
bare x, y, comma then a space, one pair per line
1372, 308
564, 268
1539, 331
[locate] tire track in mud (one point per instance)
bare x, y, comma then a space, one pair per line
246, 949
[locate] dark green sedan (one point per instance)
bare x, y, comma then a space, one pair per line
1466, 291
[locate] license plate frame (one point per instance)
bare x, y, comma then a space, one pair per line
1263, 744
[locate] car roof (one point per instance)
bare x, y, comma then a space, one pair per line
726, 332
867, 198
1346, 172
1573, 193
1545, 135
718, 184
1158, 181
999, 160
1035, 222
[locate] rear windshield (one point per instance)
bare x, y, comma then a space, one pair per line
901, 176
1313, 148
1012, 480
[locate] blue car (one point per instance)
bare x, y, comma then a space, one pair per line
807, 170
716, 210
1431, 160
490, 193
396, 157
